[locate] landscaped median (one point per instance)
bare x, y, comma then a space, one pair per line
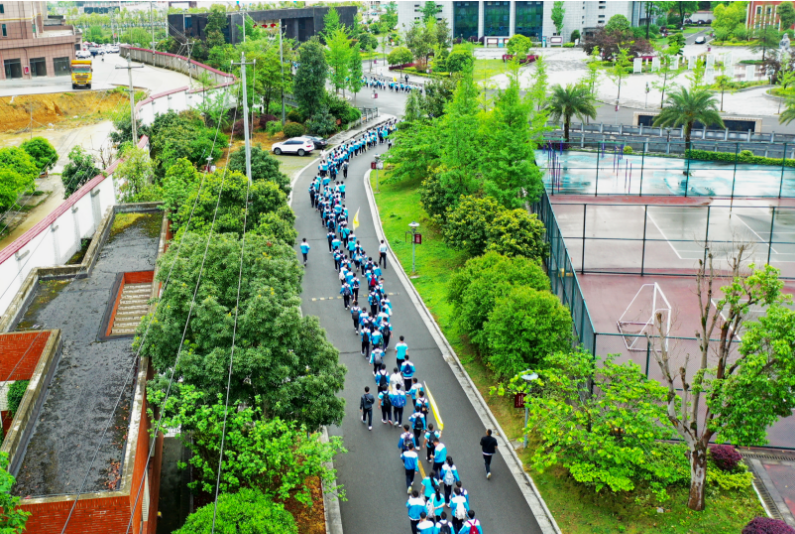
575, 507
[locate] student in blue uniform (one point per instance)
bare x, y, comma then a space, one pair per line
407, 370
410, 464
305, 250
449, 475
416, 507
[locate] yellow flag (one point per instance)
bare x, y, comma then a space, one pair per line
356, 221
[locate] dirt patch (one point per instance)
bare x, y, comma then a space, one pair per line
50, 109
263, 139
46, 291
309, 519
148, 222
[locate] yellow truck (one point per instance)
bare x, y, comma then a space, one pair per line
81, 73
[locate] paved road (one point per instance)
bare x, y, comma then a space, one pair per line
371, 471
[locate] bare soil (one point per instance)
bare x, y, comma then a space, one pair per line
49, 110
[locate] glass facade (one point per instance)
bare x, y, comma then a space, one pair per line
465, 20
496, 19
529, 19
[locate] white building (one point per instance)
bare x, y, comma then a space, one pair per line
483, 19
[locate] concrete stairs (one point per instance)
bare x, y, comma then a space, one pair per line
132, 307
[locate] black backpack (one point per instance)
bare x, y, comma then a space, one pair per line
445, 529
386, 402
383, 381
418, 423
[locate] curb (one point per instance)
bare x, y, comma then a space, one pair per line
331, 503
529, 490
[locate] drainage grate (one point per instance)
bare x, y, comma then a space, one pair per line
767, 500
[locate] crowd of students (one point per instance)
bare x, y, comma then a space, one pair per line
371, 321
393, 85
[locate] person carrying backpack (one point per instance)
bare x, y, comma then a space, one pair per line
398, 399
430, 436
439, 455
435, 504
459, 509
382, 379
471, 525
425, 526
407, 370
449, 474
386, 407
345, 291
415, 507
443, 526
417, 420
410, 464
366, 407
365, 335
406, 439
430, 483
377, 359
395, 378
355, 314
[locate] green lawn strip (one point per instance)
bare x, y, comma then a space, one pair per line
486, 68
576, 508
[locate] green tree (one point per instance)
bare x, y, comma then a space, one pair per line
524, 326
743, 394
263, 167
268, 454
519, 45
310, 77
12, 519
322, 123
245, 512
355, 73
331, 24
666, 70
765, 38
216, 24
474, 289
338, 57
570, 101
619, 71
459, 60
134, 174
413, 107
421, 39
558, 12
399, 55
389, 18
788, 115
684, 107
180, 179
42, 152
591, 80
518, 233
78, 171
728, 19
786, 14
617, 24
724, 83
11, 185
684, 9
607, 435
468, 223
429, 11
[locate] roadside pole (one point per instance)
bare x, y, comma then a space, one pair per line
245, 111
129, 68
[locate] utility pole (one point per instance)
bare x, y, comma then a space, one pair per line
245, 111
281, 64
129, 68
152, 23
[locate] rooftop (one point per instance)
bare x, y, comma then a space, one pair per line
90, 374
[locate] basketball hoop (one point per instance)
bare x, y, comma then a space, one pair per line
637, 321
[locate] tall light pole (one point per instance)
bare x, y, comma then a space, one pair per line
129, 68
245, 111
281, 65
152, 23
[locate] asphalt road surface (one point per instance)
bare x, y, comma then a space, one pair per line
371, 472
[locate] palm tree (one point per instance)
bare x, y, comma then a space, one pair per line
789, 114
684, 107
572, 100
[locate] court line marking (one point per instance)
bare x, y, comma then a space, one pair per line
670, 243
762, 241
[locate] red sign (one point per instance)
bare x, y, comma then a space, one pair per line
372, 163
418, 239
518, 400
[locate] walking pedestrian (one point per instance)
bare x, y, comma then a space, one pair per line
459, 508
395, 378
407, 370
405, 439
377, 359
439, 455
449, 475
401, 349
410, 464
330, 237
488, 444
386, 407
381, 379
435, 504
305, 250
416, 507
417, 421
471, 525
366, 407
430, 483
382, 254
425, 526
365, 335
443, 526
398, 399
355, 314
430, 436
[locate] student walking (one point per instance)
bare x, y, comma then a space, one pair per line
410, 464
439, 455
425, 526
471, 525
401, 350
449, 474
398, 399
366, 407
382, 254
430, 436
416, 507
407, 370
382, 379
386, 407
435, 504
305, 250
488, 444
459, 507
355, 314
443, 526
417, 421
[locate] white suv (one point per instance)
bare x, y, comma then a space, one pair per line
296, 145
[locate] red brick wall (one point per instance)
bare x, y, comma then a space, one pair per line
140, 277
20, 352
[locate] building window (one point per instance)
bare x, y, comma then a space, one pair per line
13, 68
529, 19
2, 10
769, 12
465, 20
38, 66
496, 19
61, 66
5, 34
758, 12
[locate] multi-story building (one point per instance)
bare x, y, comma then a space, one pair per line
761, 14
32, 45
476, 20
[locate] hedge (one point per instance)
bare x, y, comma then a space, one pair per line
14, 395
730, 157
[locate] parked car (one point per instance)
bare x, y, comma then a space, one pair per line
319, 142
701, 39
114, 49
295, 145
83, 54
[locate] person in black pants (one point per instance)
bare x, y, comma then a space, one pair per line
366, 407
488, 444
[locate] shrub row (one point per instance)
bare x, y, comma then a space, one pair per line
744, 156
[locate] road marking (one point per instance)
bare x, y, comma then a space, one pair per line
436, 414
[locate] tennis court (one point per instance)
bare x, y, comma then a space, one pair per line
615, 173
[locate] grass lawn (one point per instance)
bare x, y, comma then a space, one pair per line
576, 508
486, 68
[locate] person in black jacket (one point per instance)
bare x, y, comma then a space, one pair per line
366, 407
488, 444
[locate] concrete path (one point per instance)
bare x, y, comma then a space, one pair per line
371, 472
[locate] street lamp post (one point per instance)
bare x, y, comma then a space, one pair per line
413, 225
528, 377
